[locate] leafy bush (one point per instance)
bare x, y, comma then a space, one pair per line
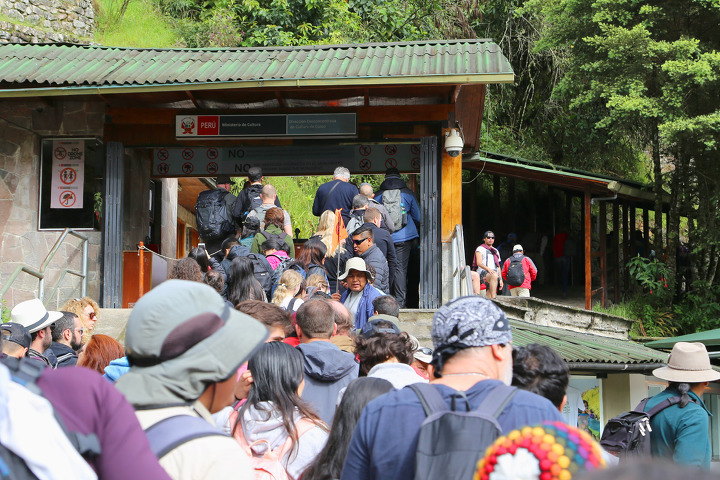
5, 312
699, 309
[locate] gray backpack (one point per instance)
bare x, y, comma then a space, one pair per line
392, 200
452, 441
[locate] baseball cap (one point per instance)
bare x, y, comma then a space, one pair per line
373, 326
33, 315
518, 248
16, 333
222, 179
471, 321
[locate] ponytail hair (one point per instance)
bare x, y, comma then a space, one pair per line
684, 389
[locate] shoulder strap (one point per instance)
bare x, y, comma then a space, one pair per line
169, 433
430, 399
327, 197
497, 399
668, 402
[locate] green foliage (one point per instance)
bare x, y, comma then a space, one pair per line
651, 275
140, 26
5, 311
699, 309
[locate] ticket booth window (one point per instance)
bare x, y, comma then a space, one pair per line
71, 184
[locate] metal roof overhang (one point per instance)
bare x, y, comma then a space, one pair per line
567, 179
588, 352
710, 338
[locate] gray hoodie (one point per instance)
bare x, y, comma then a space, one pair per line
257, 425
327, 370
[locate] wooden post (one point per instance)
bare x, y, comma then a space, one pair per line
588, 253
602, 238
451, 192
616, 251
141, 269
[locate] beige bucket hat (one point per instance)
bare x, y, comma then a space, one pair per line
688, 363
356, 263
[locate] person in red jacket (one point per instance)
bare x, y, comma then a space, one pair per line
519, 287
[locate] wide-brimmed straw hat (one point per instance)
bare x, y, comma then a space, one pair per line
356, 263
688, 363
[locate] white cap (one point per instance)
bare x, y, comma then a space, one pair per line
517, 248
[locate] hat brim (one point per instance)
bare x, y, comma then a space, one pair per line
367, 274
686, 376
422, 357
52, 318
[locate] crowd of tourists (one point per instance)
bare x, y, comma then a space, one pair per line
297, 368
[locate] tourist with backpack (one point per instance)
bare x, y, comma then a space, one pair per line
468, 403
279, 431
214, 216
519, 272
274, 218
336, 194
677, 417
289, 291
268, 196
245, 285
249, 197
404, 210
185, 345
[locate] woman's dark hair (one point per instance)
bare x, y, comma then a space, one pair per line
251, 226
312, 252
198, 254
277, 370
380, 347
244, 286
541, 370
215, 279
275, 244
186, 269
275, 216
684, 389
329, 462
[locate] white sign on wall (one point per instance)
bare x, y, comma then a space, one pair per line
68, 174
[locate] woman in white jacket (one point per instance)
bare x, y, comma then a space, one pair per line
275, 421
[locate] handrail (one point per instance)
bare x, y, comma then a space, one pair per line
40, 273
461, 281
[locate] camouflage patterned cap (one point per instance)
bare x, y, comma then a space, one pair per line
474, 321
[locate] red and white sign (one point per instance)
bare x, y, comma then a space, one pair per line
68, 174
208, 125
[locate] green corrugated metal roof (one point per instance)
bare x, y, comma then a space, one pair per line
577, 347
78, 66
711, 338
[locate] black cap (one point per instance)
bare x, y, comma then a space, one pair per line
392, 171
222, 179
16, 333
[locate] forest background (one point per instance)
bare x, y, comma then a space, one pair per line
627, 88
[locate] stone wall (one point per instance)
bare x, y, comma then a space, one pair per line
38, 21
23, 123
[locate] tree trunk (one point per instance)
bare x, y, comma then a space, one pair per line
659, 192
673, 221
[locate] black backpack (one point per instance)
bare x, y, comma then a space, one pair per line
262, 271
284, 264
279, 236
451, 442
212, 214
515, 273
250, 201
628, 435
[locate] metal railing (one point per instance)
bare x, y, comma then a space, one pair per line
40, 273
461, 280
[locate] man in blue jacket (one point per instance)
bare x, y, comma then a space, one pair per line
406, 238
359, 296
473, 355
680, 431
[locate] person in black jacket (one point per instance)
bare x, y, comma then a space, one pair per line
383, 240
250, 192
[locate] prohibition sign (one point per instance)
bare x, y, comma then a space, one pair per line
162, 154
415, 163
365, 164
188, 154
415, 149
391, 149
390, 163
67, 198
163, 168
212, 167
187, 167
60, 153
212, 154
68, 176
365, 150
